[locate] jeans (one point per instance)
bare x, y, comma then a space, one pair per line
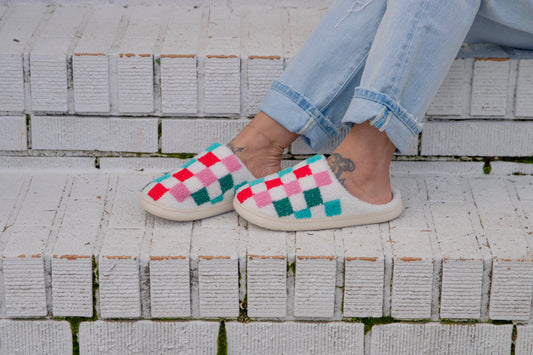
383, 61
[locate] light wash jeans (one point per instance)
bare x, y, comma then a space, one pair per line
383, 61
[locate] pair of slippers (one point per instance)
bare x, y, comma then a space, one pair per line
307, 196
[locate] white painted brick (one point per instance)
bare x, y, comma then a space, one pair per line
135, 60
490, 81
179, 85
450, 99
169, 269
94, 133
13, 133
48, 59
364, 271
118, 262
214, 254
433, 338
315, 274
512, 266
35, 337
265, 61
266, 272
508, 168
301, 22
524, 86
148, 337
140, 164
47, 164
462, 268
400, 167
413, 258
295, 338
20, 23
72, 269
524, 340
478, 138
222, 85
23, 268
194, 136
90, 62
118, 272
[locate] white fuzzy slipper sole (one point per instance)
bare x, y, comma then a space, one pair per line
281, 224
185, 214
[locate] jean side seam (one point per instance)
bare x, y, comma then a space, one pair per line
401, 115
296, 98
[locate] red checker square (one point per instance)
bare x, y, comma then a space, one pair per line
303, 171
262, 199
270, 184
180, 192
322, 179
209, 159
292, 188
183, 175
244, 194
157, 191
207, 177
231, 163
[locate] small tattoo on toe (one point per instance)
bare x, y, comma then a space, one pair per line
340, 165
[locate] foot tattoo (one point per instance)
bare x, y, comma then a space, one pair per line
339, 165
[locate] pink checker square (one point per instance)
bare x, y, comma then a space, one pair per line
180, 192
207, 177
322, 179
292, 188
231, 163
262, 199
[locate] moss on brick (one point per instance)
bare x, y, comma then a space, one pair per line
222, 340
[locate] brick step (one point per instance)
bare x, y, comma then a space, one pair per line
72, 67
206, 337
78, 241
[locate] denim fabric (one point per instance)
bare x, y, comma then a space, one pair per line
383, 61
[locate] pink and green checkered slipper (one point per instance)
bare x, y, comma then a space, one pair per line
202, 187
308, 196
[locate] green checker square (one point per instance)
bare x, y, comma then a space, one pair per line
217, 199
305, 213
226, 182
283, 207
200, 196
333, 208
313, 197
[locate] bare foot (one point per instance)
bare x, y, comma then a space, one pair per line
260, 145
362, 162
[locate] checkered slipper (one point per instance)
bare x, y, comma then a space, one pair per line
201, 188
308, 196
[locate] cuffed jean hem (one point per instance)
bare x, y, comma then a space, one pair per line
297, 114
384, 113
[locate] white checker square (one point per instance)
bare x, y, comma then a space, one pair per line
307, 182
222, 153
193, 184
196, 167
298, 202
258, 187
219, 169
288, 177
214, 190
277, 193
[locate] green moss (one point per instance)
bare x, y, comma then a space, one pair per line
243, 311
523, 160
158, 61
486, 167
180, 155
458, 321
518, 173
499, 322
292, 267
222, 340
513, 340
370, 322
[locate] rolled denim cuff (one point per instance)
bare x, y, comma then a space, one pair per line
384, 113
297, 114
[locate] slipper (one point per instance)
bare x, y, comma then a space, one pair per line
202, 187
308, 196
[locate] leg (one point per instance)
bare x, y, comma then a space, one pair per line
315, 89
